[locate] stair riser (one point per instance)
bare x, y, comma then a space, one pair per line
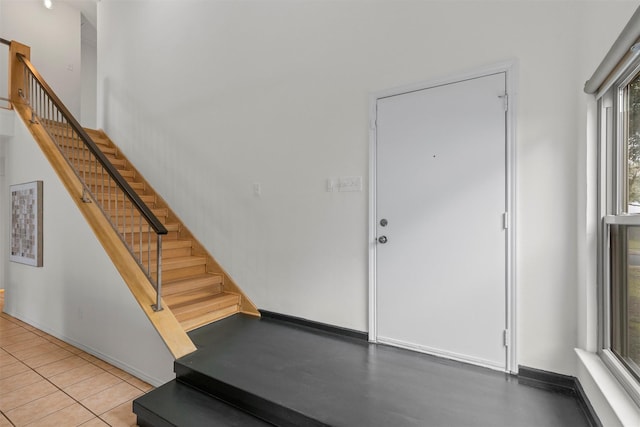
88, 162
212, 282
101, 173
133, 241
191, 324
117, 197
137, 222
182, 272
126, 174
103, 184
228, 309
123, 209
113, 208
186, 298
261, 407
213, 289
134, 237
85, 156
73, 151
166, 254
159, 212
65, 140
65, 134
173, 245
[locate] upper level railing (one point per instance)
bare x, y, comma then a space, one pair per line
103, 184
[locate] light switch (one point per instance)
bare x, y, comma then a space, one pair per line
350, 183
331, 185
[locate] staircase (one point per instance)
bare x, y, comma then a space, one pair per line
194, 288
128, 217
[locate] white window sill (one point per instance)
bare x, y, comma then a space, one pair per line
608, 398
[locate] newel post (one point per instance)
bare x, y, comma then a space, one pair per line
16, 75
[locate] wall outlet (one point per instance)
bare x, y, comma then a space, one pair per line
350, 183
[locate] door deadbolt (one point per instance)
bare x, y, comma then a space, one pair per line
384, 222
382, 239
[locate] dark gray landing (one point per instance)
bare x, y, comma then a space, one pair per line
291, 375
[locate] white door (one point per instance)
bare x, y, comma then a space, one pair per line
440, 205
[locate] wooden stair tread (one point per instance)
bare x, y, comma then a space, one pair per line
204, 305
67, 141
182, 262
71, 146
126, 173
147, 198
192, 297
97, 183
156, 211
79, 158
174, 226
206, 310
205, 319
169, 244
189, 284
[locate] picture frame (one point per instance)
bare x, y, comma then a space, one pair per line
26, 223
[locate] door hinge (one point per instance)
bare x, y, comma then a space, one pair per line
506, 338
505, 101
505, 220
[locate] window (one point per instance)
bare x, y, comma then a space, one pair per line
619, 201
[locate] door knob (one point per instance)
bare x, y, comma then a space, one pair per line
382, 239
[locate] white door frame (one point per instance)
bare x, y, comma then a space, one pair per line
510, 70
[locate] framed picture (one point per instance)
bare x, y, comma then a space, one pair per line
26, 223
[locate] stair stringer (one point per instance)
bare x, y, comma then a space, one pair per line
246, 306
165, 323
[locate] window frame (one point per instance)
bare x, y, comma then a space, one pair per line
612, 210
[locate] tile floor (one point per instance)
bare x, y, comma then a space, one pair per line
47, 382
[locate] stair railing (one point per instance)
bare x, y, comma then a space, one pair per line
102, 183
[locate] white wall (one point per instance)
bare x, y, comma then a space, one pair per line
89, 89
227, 94
54, 38
77, 295
7, 120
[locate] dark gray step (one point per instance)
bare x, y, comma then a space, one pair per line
176, 404
293, 375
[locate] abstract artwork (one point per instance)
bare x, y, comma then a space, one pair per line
26, 223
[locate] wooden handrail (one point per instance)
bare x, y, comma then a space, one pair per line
3, 41
144, 210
